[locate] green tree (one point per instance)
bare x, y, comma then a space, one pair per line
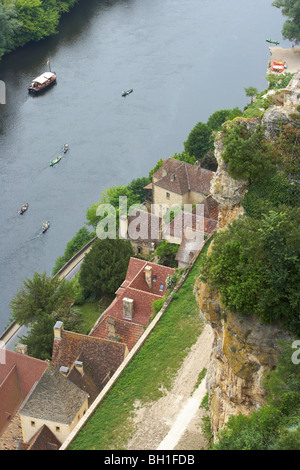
251, 91
38, 296
104, 267
218, 118
199, 141
38, 19
254, 265
9, 25
82, 237
136, 187
291, 27
38, 304
166, 253
270, 192
247, 153
39, 339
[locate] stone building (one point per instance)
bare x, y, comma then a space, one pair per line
55, 402
177, 183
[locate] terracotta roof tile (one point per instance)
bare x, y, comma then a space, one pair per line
111, 328
180, 177
100, 358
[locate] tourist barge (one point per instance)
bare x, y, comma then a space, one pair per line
42, 82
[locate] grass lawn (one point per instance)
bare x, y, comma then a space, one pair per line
155, 364
91, 312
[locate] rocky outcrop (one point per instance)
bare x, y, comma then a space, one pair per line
227, 191
244, 350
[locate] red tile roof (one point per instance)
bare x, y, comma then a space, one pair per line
135, 287
128, 332
100, 359
180, 177
17, 376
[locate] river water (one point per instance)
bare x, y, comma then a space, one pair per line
184, 59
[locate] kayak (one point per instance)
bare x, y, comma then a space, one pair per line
56, 160
23, 208
45, 226
125, 93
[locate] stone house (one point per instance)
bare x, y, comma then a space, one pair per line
177, 183
54, 402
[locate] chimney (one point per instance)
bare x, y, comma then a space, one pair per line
148, 276
123, 228
112, 335
58, 328
21, 349
127, 308
79, 367
64, 370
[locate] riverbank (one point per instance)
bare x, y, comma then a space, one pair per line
290, 56
23, 23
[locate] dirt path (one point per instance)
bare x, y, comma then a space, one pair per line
173, 422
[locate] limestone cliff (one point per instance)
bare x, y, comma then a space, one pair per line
244, 348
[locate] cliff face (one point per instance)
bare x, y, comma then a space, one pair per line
244, 349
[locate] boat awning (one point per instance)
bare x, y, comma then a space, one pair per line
44, 77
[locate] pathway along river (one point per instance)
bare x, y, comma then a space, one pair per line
184, 59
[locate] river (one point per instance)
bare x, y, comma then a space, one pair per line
184, 60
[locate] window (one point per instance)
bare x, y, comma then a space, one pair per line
154, 278
32, 423
168, 195
161, 288
57, 428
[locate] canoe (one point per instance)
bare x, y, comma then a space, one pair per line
272, 42
125, 93
23, 208
56, 160
45, 226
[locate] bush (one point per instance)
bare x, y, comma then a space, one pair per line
247, 153
270, 193
199, 141
255, 267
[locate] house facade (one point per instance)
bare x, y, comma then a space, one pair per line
177, 183
54, 402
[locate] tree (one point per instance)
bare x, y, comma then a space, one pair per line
247, 152
254, 265
9, 25
82, 237
38, 304
166, 253
39, 339
104, 267
251, 91
199, 141
39, 296
39, 20
111, 196
291, 27
218, 118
